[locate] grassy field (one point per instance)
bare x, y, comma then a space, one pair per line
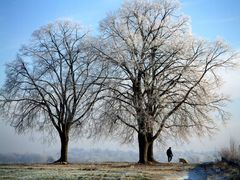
119, 171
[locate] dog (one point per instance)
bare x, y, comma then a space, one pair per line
182, 160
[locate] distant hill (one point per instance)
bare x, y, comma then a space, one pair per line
101, 155
76, 155
14, 158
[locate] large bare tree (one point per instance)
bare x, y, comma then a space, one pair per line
164, 81
53, 83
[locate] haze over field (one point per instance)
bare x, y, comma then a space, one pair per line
19, 19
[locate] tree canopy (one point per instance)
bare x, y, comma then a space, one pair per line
165, 80
54, 82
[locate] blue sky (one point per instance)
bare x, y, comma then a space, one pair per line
215, 18
19, 18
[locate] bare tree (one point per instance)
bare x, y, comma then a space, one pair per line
53, 83
164, 81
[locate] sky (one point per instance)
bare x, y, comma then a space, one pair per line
210, 19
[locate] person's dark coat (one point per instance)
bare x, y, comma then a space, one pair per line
169, 152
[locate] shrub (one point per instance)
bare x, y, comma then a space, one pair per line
231, 153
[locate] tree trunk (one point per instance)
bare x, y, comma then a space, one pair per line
64, 149
143, 148
146, 149
150, 154
150, 148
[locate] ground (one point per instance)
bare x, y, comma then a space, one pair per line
128, 171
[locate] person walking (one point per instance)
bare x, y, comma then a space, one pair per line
169, 154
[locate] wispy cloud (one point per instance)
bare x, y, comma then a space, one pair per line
220, 20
